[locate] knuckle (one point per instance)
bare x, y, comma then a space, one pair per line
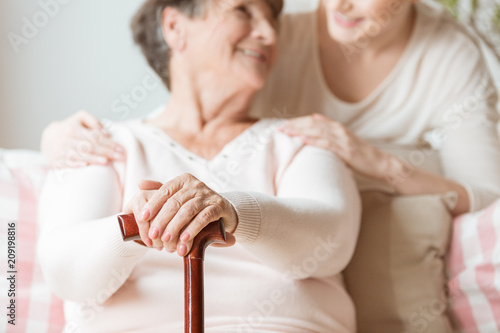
211, 214
94, 136
174, 203
164, 191
219, 203
187, 213
199, 185
185, 177
85, 147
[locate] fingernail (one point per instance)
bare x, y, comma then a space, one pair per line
119, 149
145, 214
166, 237
159, 248
149, 242
153, 232
182, 250
185, 236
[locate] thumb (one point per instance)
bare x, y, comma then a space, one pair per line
230, 241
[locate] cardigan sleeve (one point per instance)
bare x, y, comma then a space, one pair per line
467, 124
310, 228
80, 249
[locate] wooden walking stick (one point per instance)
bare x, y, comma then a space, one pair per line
193, 267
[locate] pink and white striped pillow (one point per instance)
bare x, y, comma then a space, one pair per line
37, 309
474, 267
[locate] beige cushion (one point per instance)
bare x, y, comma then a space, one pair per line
396, 277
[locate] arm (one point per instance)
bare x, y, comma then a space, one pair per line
406, 179
463, 123
468, 135
361, 156
470, 147
79, 247
310, 228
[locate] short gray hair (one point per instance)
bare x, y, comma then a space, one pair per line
147, 32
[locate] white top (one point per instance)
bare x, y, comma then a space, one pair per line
298, 210
440, 92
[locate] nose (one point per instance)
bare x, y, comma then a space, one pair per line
345, 5
265, 31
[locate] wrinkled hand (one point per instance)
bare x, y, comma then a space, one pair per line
170, 215
78, 141
320, 131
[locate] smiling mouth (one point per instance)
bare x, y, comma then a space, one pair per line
347, 21
254, 54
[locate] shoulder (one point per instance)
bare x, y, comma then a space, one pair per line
283, 147
448, 59
446, 41
131, 133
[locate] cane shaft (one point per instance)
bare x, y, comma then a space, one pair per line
193, 296
193, 267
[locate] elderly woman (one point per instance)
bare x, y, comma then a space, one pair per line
292, 210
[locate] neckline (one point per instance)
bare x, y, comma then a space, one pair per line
222, 154
368, 99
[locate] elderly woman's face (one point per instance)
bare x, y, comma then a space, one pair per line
236, 39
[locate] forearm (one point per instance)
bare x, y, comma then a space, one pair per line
80, 247
406, 179
298, 237
87, 260
313, 220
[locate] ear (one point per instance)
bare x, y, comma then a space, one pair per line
173, 24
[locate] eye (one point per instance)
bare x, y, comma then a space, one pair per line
243, 9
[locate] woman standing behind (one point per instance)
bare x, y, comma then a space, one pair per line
390, 71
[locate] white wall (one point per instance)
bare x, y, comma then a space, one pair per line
81, 58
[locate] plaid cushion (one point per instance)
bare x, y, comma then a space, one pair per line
474, 267
37, 309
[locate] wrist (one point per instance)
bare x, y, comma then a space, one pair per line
395, 172
231, 221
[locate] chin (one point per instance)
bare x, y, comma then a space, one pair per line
256, 81
344, 36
